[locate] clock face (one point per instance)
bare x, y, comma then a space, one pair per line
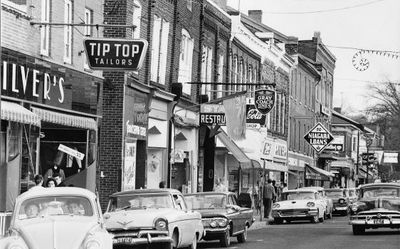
359, 62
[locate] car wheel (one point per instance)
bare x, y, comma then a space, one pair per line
278, 221
225, 240
243, 236
175, 239
315, 218
194, 243
358, 230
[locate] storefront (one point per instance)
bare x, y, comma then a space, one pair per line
317, 177
184, 171
344, 173
49, 117
296, 168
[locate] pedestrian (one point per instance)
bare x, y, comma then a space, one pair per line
57, 177
55, 169
161, 184
268, 196
38, 182
276, 191
219, 186
51, 183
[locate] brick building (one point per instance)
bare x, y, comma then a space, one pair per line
51, 101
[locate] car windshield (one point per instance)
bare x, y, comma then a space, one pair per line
55, 205
334, 193
299, 195
212, 201
140, 201
388, 192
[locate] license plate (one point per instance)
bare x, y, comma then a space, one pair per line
379, 221
123, 240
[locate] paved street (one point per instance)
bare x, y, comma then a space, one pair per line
332, 234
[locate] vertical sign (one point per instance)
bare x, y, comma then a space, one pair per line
129, 173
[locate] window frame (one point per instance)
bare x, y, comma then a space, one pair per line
68, 31
45, 30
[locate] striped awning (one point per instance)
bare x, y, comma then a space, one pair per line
17, 113
243, 159
65, 119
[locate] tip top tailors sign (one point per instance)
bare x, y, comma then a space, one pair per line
115, 54
264, 100
318, 137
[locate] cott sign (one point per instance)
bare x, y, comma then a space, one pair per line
318, 137
116, 54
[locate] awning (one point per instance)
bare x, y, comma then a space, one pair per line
314, 173
17, 113
295, 174
65, 119
243, 159
327, 156
340, 164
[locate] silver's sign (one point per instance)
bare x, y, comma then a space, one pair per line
264, 100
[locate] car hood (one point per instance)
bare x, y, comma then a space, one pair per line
370, 204
55, 232
209, 213
131, 219
293, 203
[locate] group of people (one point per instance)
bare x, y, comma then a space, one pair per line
72, 207
54, 177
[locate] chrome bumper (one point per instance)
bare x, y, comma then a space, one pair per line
279, 214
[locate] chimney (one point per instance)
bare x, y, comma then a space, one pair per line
292, 45
317, 36
256, 15
221, 3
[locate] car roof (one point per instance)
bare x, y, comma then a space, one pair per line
67, 191
313, 187
381, 184
303, 190
147, 191
210, 193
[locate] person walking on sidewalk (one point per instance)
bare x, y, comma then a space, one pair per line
268, 196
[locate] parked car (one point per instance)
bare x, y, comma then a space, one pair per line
62, 218
152, 217
299, 204
328, 201
221, 215
378, 205
340, 198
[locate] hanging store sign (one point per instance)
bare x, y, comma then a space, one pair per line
264, 100
318, 137
116, 54
254, 118
337, 144
71, 151
390, 157
212, 114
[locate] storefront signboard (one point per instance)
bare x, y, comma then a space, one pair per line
254, 118
318, 137
337, 144
264, 100
274, 149
115, 54
70, 151
212, 114
136, 114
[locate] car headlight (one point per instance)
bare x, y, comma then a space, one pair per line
276, 205
213, 223
310, 204
92, 244
222, 222
161, 224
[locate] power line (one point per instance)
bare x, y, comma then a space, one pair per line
323, 11
362, 49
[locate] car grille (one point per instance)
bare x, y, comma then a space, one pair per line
285, 212
138, 233
377, 215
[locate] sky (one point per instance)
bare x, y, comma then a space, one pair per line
362, 24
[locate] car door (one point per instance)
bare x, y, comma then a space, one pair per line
235, 214
187, 221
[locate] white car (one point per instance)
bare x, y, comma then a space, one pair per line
153, 217
62, 218
328, 201
299, 204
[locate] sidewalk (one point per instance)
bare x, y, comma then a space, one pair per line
257, 223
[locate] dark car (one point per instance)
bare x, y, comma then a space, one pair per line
340, 198
378, 205
221, 216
